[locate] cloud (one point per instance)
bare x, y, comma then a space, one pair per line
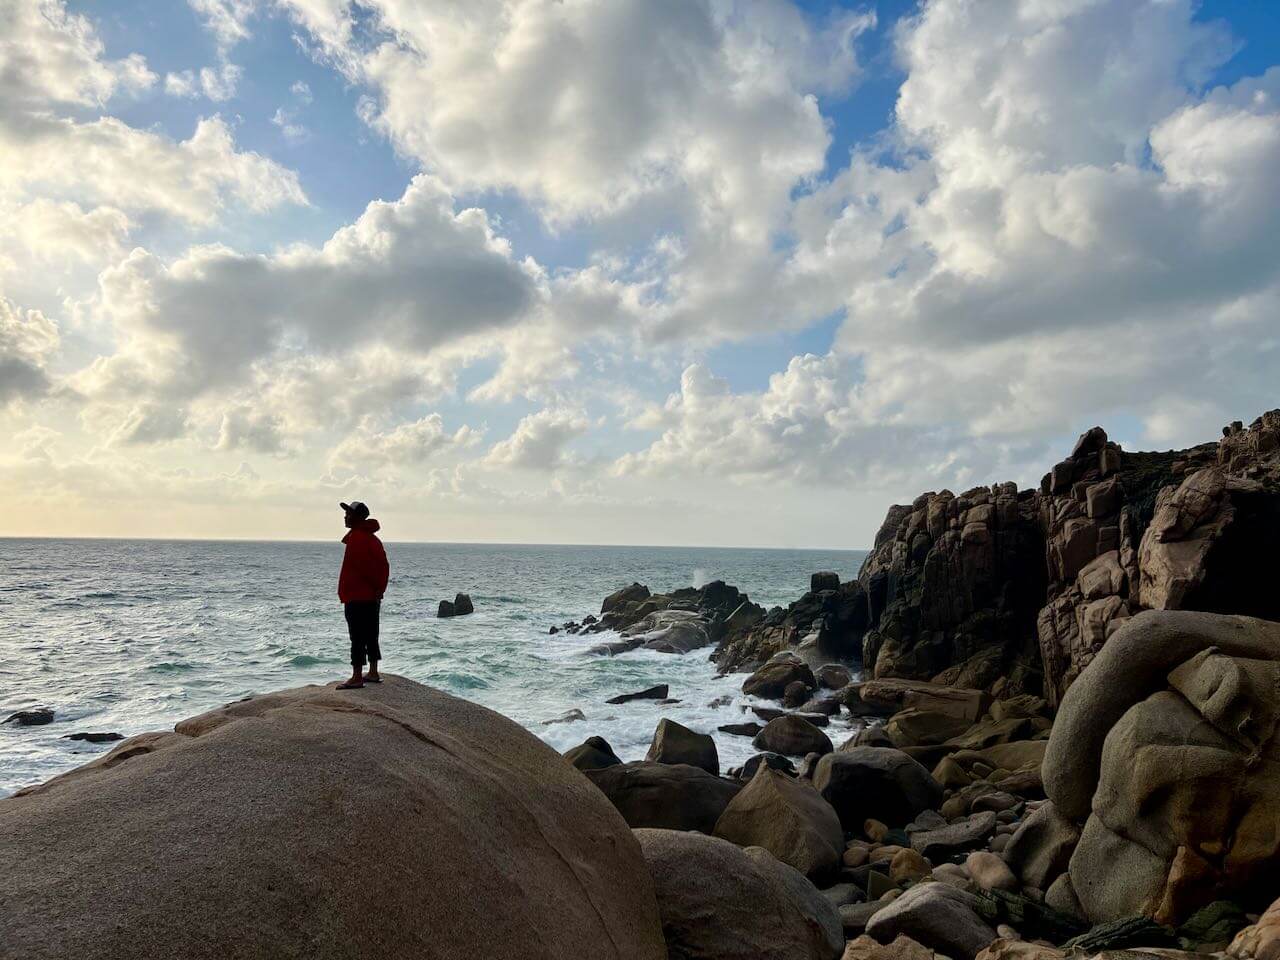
540, 440
50, 55
246, 427
366, 451
588, 107
27, 341
216, 85
49, 232
227, 20
292, 131
302, 91
414, 276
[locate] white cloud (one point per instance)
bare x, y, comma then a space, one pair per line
181, 84
539, 441
27, 341
589, 106
366, 451
48, 232
215, 84
252, 428
48, 54
220, 84
227, 20
291, 130
135, 170
302, 90
414, 276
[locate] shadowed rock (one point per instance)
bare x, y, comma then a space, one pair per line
234, 837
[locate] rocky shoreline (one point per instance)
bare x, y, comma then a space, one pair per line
1069, 699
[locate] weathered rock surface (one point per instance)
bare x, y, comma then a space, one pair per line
593, 754
902, 948
829, 622
232, 837
793, 736
1041, 847
719, 902
1167, 743
666, 796
952, 579
1018, 590
771, 680
1260, 941
675, 743
955, 838
788, 818
875, 782
937, 915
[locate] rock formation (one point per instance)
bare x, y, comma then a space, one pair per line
394, 821
1166, 743
1017, 591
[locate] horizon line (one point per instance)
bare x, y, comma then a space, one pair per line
437, 543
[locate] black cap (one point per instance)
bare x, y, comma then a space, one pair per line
357, 508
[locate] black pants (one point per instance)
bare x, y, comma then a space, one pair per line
362, 624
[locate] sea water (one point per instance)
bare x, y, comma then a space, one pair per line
127, 636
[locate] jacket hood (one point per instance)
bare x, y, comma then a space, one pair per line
364, 526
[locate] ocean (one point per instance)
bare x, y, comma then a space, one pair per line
127, 636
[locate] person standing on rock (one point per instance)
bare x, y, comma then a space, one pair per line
361, 584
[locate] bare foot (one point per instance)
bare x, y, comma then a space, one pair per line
372, 678
350, 685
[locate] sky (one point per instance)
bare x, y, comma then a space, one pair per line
689, 272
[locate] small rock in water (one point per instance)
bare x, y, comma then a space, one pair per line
653, 693
95, 737
571, 717
31, 718
741, 729
459, 606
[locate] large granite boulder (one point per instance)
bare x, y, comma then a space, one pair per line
666, 796
719, 902
675, 743
394, 821
1167, 744
788, 818
877, 783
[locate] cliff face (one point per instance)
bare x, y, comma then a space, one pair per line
1017, 591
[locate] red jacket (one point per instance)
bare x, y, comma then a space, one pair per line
364, 565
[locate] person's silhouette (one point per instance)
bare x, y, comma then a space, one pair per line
361, 584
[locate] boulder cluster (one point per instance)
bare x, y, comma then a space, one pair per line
1069, 699
958, 824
